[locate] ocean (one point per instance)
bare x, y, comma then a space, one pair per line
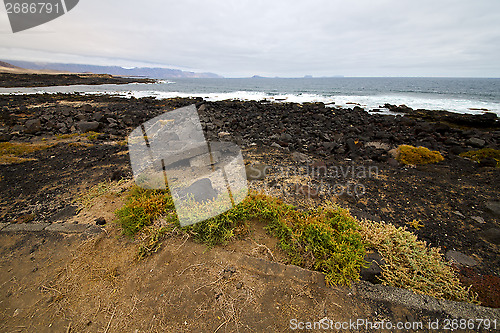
463, 95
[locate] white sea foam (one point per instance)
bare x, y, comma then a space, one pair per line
367, 102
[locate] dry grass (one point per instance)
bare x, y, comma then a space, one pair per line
112, 188
412, 264
84, 289
12, 152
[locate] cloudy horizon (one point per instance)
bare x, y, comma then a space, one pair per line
273, 38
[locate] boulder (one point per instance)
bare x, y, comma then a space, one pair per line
476, 142
460, 258
493, 207
98, 116
373, 272
87, 126
285, 137
492, 235
33, 126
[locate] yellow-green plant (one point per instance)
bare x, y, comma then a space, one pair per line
417, 155
412, 264
478, 155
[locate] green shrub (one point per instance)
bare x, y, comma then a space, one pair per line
143, 207
418, 155
326, 239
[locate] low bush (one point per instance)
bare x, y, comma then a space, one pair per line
417, 155
326, 239
412, 264
478, 155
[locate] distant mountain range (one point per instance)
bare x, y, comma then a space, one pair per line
149, 72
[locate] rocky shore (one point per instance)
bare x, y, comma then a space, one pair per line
10, 80
306, 152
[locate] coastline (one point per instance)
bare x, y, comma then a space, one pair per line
455, 201
11, 80
307, 134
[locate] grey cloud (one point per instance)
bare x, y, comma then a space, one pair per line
286, 38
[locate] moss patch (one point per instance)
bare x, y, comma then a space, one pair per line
418, 155
478, 155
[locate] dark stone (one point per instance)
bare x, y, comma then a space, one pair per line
285, 137
475, 142
100, 221
457, 150
18, 129
329, 146
87, 126
300, 157
441, 128
407, 121
451, 142
392, 162
374, 271
33, 126
492, 235
201, 190
423, 127
86, 108
4, 137
5, 116
82, 117
493, 207
460, 258
98, 116
65, 213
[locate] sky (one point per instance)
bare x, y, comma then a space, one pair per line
287, 38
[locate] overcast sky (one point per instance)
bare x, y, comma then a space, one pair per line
273, 37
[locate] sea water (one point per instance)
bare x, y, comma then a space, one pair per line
463, 95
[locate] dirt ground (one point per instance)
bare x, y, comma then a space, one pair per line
65, 283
